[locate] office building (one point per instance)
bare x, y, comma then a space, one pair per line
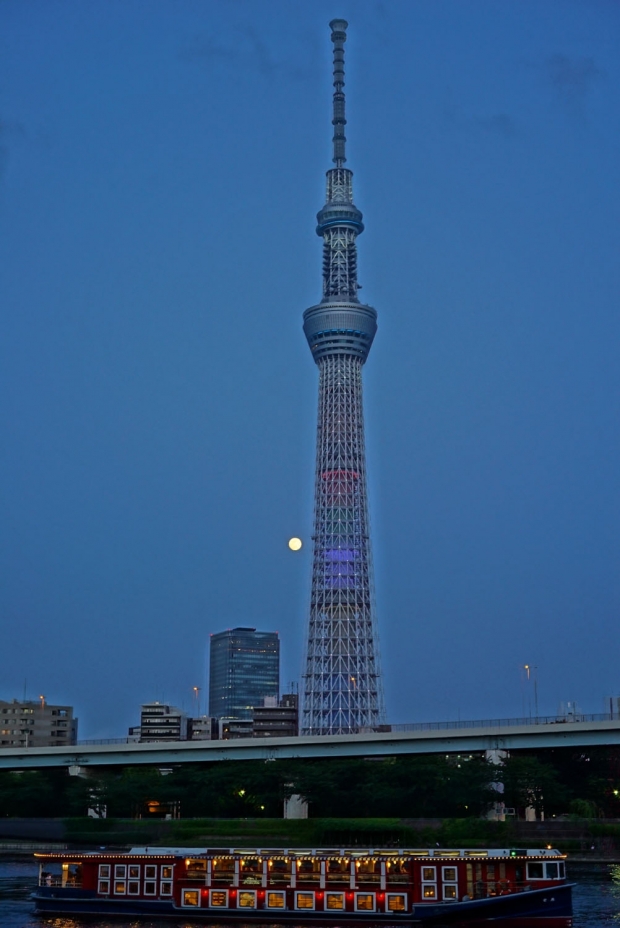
244, 668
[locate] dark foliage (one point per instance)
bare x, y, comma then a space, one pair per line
403, 787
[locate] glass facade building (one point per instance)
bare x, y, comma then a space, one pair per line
244, 667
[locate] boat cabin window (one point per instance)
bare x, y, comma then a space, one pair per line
397, 870
550, 870
279, 871
191, 897
308, 866
449, 874
429, 874
275, 900
246, 899
338, 870
334, 901
308, 870
196, 867
219, 899
51, 873
304, 900
252, 865
223, 868
150, 887
396, 902
150, 872
368, 869
396, 866
364, 902
166, 872
72, 874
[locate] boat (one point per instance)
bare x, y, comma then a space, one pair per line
321, 886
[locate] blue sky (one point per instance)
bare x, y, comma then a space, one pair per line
161, 168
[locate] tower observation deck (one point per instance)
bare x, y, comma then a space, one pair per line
342, 689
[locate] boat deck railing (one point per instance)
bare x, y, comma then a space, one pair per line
53, 880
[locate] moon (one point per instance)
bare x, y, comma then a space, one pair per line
295, 544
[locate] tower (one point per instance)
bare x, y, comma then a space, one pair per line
341, 690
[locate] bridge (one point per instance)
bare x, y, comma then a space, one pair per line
421, 738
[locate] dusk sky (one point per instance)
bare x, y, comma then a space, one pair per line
161, 166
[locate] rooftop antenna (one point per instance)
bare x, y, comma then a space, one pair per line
339, 37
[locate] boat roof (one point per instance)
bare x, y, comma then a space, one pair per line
246, 852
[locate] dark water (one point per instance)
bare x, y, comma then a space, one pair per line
596, 900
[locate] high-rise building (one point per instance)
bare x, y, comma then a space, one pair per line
342, 688
31, 724
244, 667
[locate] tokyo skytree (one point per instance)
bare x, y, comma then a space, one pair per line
341, 690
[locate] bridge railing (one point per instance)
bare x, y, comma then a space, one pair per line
446, 726
507, 723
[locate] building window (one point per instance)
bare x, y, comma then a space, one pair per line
334, 901
219, 899
191, 897
104, 887
246, 899
275, 900
396, 902
133, 887
150, 888
364, 902
165, 888
304, 900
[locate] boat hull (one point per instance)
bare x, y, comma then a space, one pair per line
548, 908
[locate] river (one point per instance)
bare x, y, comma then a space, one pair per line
596, 899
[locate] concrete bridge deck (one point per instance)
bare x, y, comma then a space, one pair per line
463, 738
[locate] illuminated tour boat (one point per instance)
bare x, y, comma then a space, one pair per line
323, 886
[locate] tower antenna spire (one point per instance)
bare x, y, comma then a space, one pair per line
339, 37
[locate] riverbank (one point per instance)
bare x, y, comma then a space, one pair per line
585, 840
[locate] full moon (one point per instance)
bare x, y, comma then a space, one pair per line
295, 544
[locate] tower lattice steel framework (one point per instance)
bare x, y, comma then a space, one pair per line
342, 690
